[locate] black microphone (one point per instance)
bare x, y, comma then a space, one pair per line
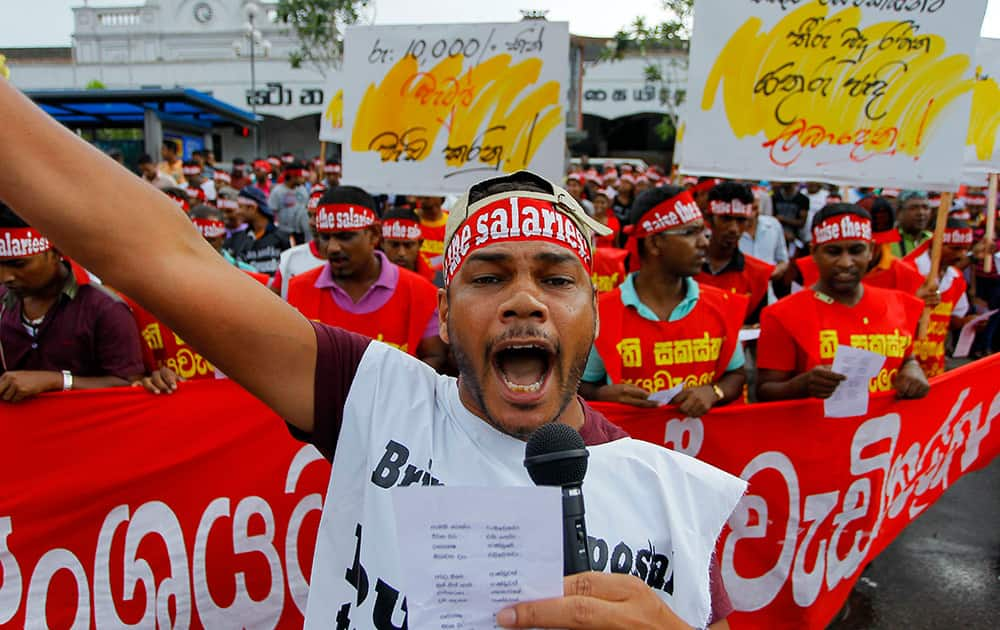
556, 456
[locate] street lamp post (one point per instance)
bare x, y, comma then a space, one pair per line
255, 39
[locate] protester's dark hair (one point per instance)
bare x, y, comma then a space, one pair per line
190, 163
202, 211
145, 158
198, 152
880, 209
729, 191
348, 194
172, 145
518, 181
178, 192
228, 192
10, 219
401, 212
295, 165
837, 209
239, 161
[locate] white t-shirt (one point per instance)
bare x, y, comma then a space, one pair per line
649, 510
296, 260
961, 308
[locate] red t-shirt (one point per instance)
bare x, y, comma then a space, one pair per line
900, 274
338, 355
432, 248
747, 276
611, 240
804, 329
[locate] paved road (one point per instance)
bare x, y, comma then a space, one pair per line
943, 571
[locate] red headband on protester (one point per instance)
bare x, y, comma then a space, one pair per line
222, 176
295, 172
734, 208
958, 236
191, 170
672, 214
210, 228
21, 243
515, 219
343, 217
842, 227
232, 204
274, 161
181, 203
331, 168
401, 230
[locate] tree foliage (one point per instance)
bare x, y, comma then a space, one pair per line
319, 26
667, 70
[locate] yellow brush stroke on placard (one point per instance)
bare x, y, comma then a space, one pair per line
335, 110
402, 116
4, 70
901, 89
984, 122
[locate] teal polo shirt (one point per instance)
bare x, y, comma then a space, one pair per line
595, 372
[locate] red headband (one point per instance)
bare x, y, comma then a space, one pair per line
671, 214
958, 236
401, 230
331, 168
223, 176
191, 170
734, 208
21, 243
226, 203
295, 172
274, 161
842, 227
181, 203
343, 217
515, 219
210, 228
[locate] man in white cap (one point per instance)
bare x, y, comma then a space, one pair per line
520, 313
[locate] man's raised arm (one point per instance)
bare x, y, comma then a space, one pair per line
133, 237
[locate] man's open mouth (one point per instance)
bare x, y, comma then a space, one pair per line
524, 366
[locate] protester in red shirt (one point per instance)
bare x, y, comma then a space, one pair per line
55, 333
603, 213
727, 268
402, 238
800, 334
360, 289
660, 329
432, 223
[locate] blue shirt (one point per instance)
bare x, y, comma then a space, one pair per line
595, 371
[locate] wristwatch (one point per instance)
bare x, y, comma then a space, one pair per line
67, 380
718, 391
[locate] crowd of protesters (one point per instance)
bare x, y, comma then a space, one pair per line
723, 291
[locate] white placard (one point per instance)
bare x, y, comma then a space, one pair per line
982, 150
435, 108
876, 95
470, 552
331, 123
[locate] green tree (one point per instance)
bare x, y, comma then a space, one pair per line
94, 84
319, 26
668, 71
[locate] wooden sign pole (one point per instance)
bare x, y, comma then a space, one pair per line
991, 223
936, 244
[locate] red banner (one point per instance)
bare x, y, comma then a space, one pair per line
827, 495
122, 508
199, 510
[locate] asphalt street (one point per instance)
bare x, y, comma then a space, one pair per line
943, 571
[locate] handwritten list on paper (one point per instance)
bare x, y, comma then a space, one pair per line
851, 396
466, 553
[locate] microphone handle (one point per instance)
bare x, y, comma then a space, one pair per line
576, 550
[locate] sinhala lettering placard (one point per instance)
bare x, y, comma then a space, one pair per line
866, 93
435, 108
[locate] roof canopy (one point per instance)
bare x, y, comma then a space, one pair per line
126, 108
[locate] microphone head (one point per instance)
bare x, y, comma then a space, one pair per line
556, 456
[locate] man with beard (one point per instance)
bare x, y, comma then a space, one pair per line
799, 334
57, 334
402, 238
519, 302
359, 289
660, 329
727, 268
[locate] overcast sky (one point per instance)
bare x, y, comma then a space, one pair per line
50, 22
